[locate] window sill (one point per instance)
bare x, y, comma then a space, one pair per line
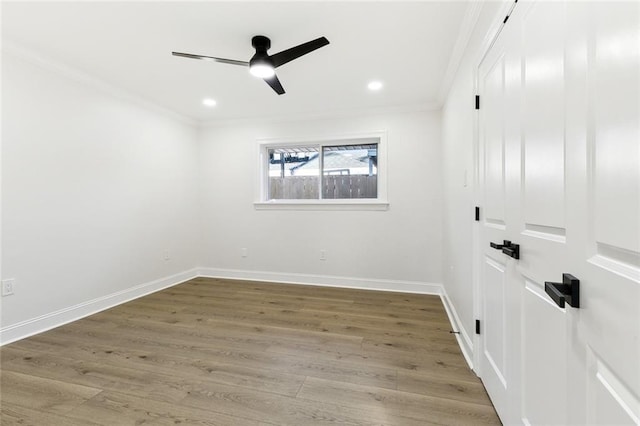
322, 205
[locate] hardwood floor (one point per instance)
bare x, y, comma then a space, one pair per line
220, 352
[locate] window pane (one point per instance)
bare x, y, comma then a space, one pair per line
350, 171
293, 173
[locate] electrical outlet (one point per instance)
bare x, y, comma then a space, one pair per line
244, 252
323, 255
7, 287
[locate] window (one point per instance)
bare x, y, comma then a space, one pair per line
328, 172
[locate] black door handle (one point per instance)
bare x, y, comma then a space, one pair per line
567, 291
512, 251
505, 243
508, 248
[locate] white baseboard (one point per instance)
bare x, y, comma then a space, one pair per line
325, 280
60, 317
464, 341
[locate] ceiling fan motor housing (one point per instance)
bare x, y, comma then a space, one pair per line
261, 44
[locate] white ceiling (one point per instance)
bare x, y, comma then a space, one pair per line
413, 47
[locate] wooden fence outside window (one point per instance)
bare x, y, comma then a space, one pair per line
334, 187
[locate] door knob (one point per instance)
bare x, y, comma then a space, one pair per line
508, 248
567, 291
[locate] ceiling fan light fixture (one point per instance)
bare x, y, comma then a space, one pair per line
262, 70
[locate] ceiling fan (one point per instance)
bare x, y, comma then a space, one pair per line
262, 64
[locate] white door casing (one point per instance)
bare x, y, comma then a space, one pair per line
559, 168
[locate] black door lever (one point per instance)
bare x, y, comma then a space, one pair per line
567, 291
505, 243
508, 248
512, 251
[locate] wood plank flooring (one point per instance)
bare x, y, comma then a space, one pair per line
221, 352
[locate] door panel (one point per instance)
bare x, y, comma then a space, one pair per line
609, 401
493, 138
616, 153
544, 358
543, 120
494, 315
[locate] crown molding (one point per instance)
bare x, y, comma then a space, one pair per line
60, 68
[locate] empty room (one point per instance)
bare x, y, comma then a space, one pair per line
320, 212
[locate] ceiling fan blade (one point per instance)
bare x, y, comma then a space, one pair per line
211, 58
288, 55
275, 84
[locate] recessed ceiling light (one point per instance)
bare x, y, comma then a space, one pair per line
209, 102
375, 85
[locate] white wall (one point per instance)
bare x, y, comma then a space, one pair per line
403, 243
458, 132
95, 189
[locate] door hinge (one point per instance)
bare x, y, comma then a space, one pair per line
506, 18
477, 101
477, 326
477, 214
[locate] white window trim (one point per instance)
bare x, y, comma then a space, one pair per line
380, 203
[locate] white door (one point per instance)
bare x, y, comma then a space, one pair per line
497, 118
542, 221
560, 176
603, 134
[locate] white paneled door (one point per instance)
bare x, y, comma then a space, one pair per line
498, 330
559, 167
